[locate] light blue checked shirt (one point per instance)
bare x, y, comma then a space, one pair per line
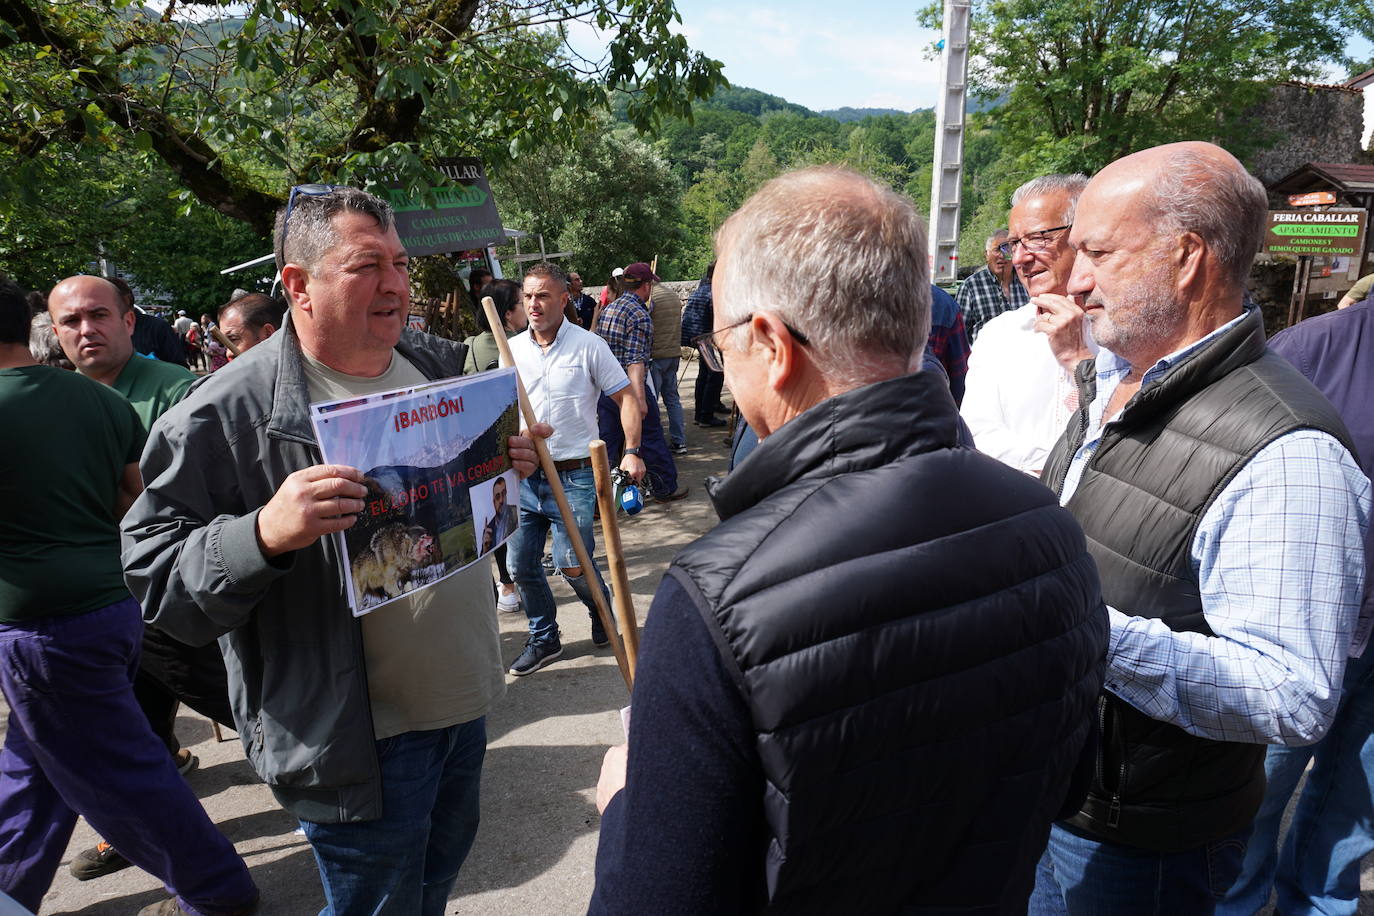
1279, 558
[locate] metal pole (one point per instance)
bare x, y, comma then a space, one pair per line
947, 175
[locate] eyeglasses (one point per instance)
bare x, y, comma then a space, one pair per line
307, 190
1032, 241
711, 353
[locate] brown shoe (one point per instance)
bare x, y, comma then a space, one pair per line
673, 497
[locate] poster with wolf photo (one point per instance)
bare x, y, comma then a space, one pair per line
441, 493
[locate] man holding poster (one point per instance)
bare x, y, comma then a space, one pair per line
371, 730
565, 370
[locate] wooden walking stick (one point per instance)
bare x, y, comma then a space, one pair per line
564, 510
615, 557
219, 335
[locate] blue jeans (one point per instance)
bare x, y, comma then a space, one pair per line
539, 513
1084, 877
77, 743
405, 864
661, 472
664, 373
1318, 870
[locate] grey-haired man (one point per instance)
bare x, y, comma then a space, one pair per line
372, 730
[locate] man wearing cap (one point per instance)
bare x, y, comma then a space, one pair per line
566, 370
625, 325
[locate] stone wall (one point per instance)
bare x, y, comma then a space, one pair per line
1307, 124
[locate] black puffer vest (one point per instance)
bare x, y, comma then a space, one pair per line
918, 634
1176, 445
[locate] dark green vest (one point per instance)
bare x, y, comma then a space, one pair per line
1160, 464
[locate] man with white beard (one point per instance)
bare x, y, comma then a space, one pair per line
1226, 514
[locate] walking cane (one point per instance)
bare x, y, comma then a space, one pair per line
564, 510
615, 556
219, 335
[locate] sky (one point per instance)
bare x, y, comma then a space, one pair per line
859, 53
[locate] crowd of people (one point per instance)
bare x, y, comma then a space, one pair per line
1038, 600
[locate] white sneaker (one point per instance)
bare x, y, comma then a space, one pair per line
507, 601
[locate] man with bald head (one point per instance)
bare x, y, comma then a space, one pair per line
1221, 501
76, 742
94, 324
95, 328
1019, 391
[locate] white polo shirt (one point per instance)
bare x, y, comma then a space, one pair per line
564, 383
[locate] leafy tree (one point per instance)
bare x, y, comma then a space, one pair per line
90, 206
1090, 80
609, 198
752, 102
277, 91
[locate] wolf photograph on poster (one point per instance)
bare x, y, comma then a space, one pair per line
429, 455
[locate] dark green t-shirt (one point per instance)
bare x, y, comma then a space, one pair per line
69, 440
152, 386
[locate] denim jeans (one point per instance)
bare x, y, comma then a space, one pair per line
1083, 877
539, 513
709, 385
661, 471
77, 743
664, 372
405, 864
1318, 870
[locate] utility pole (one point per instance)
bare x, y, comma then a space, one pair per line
947, 176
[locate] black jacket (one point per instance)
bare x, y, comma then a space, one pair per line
918, 634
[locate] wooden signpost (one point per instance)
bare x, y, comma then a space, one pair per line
1334, 232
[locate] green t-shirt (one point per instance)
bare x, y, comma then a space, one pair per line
59, 539
483, 352
1360, 291
152, 386
433, 656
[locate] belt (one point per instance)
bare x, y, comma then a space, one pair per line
572, 464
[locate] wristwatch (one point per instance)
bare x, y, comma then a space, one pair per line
632, 451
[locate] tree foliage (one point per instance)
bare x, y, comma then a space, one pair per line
274, 92
1088, 81
609, 198
88, 206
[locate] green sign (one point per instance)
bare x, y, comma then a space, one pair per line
460, 216
1332, 233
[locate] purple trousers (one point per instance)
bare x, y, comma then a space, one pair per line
77, 743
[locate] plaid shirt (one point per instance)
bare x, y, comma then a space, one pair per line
1279, 557
627, 327
981, 300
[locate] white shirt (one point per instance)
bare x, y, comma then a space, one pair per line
564, 383
1017, 398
